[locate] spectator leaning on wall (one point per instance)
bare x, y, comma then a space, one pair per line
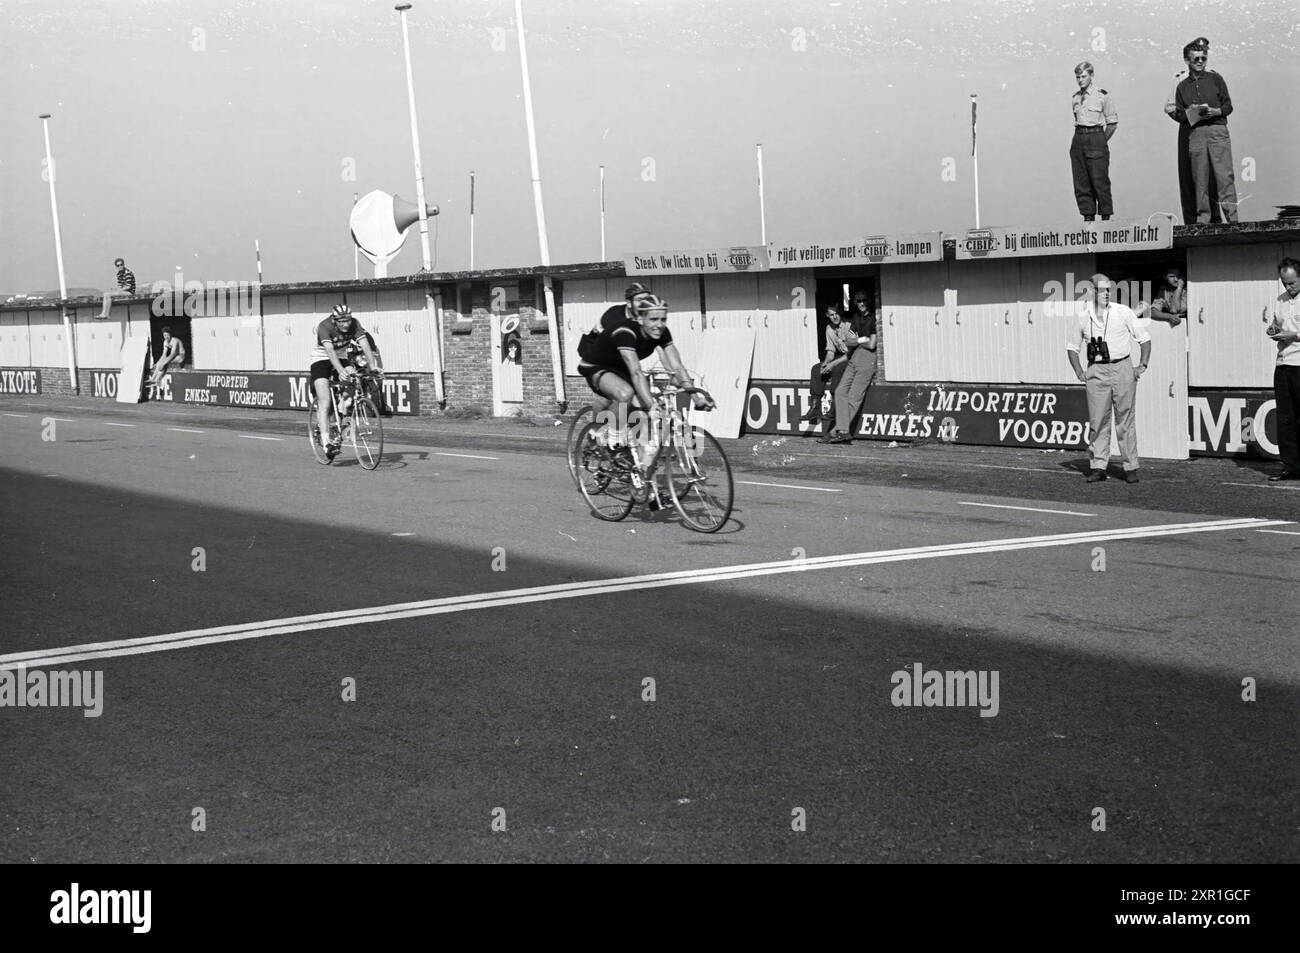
1285, 332
1186, 185
1171, 304
859, 372
1107, 332
826, 374
1202, 103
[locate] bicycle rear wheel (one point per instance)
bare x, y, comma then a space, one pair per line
604, 478
313, 435
699, 480
585, 416
367, 433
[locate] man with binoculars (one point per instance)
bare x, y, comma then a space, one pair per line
1106, 333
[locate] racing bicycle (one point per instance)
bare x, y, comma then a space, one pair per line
690, 462
353, 417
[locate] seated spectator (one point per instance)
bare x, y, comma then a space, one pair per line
125, 277
1170, 306
826, 374
171, 359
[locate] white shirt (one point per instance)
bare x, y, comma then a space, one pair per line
1118, 325
1288, 315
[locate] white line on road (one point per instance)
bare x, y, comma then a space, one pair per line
403, 534
253, 436
1280, 532
1262, 486
468, 456
915, 462
790, 486
15, 415
573, 590
1029, 509
184, 430
66, 420
109, 423
476, 433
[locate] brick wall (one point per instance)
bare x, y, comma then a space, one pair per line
467, 348
56, 380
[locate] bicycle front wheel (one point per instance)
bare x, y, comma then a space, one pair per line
367, 433
585, 416
313, 435
604, 477
699, 480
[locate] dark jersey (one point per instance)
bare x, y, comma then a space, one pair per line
615, 330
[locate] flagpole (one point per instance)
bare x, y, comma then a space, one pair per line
401, 8
471, 220
602, 213
58, 257
975, 159
762, 211
356, 262
544, 247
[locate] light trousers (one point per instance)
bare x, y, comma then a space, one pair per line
1112, 389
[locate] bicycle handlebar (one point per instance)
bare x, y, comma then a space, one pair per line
666, 385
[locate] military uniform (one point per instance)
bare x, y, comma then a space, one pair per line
1186, 183
1093, 111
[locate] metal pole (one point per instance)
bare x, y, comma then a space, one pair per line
415, 141
427, 258
975, 158
471, 220
58, 255
356, 261
257, 250
762, 211
556, 371
602, 213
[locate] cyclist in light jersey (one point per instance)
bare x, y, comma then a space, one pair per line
329, 361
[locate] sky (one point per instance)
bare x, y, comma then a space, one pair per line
183, 131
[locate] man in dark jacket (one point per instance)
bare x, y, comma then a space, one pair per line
1186, 185
1201, 102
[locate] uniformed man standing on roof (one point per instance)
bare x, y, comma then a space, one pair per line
1202, 103
1186, 184
1095, 120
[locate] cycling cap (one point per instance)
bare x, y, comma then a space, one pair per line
647, 303
634, 289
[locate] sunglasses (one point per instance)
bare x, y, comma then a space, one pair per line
1199, 59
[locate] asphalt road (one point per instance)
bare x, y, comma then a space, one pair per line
500, 638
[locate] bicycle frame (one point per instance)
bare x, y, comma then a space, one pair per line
678, 432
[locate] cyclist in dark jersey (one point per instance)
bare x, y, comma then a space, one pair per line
611, 355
